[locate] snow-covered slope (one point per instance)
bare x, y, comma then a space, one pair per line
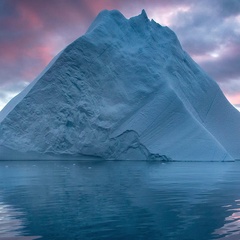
124, 90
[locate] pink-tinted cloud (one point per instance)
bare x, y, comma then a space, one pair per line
32, 32
234, 98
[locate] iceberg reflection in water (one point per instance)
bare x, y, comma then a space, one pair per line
12, 224
231, 229
120, 200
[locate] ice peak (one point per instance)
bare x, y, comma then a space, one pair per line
144, 14
109, 14
141, 18
106, 17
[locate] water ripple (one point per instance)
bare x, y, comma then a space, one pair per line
231, 229
12, 224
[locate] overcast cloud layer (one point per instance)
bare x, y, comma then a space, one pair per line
33, 32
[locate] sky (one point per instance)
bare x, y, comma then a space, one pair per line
32, 32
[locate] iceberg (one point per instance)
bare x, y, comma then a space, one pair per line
125, 90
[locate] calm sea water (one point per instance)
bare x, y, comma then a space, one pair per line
119, 200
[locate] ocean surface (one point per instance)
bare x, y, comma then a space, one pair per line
119, 200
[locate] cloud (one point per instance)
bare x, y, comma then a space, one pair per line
232, 87
32, 32
228, 8
224, 68
200, 26
209, 31
10, 90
